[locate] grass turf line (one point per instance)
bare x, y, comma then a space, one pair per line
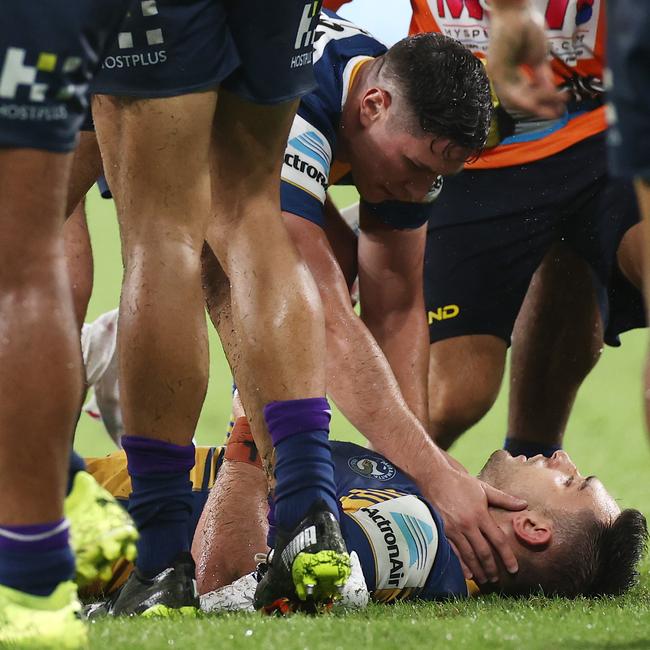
605, 436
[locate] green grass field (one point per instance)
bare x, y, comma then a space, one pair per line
605, 437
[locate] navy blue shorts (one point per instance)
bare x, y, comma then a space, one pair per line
49, 49
629, 61
478, 269
260, 50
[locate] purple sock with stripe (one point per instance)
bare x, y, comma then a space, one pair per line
161, 500
36, 558
304, 471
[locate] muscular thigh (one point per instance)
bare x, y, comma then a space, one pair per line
31, 221
156, 159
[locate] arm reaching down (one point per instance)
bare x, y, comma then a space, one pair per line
232, 527
392, 303
361, 382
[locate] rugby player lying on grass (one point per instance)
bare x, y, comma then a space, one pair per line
572, 539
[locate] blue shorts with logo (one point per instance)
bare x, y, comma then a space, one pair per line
49, 50
490, 230
628, 58
259, 50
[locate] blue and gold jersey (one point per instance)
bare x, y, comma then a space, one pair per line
397, 535
310, 162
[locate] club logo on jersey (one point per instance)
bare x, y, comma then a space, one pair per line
435, 190
369, 467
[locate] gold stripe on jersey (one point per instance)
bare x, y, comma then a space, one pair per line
111, 471
392, 595
358, 498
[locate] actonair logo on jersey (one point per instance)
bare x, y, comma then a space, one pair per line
376, 468
307, 159
404, 540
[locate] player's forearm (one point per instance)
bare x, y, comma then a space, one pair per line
363, 386
403, 337
497, 5
232, 527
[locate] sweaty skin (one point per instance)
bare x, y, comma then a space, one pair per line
40, 354
163, 346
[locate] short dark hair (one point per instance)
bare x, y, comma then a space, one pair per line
592, 558
445, 85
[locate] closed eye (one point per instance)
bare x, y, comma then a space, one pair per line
569, 481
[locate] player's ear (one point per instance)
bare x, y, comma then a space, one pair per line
374, 104
532, 529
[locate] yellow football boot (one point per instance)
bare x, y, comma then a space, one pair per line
30, 622
101, 531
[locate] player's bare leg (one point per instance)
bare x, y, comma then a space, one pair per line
155, 156
86, 169
40, 354
79, 257
277, 313
273, 294
156, 161
465, 374
557, 340
40, 387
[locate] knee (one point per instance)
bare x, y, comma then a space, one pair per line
456, 406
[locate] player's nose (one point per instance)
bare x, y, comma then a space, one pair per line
562, 459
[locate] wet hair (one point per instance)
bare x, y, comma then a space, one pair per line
589, 558
445, 86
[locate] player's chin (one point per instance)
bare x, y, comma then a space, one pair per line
490, 471
373, 193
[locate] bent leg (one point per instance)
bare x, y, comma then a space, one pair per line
276, 307
465, 374
557, 340
79, 257
276, 311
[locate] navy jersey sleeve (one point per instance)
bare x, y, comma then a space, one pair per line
339, 46
306, 168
